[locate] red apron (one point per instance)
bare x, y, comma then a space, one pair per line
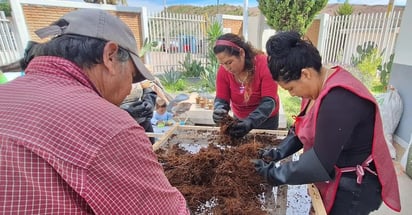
305, 130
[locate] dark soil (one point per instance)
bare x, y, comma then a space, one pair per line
219, 175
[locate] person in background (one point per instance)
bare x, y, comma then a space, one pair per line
161, 115
140, 104
66, 146
244, 85
17, 67
339, 128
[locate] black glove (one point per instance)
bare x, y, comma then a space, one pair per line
241, 128
307, 169
142, 109
221, 109
255, 119
289, 145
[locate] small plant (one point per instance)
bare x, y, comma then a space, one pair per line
345, 9
367, 61
5, 6
180, 85
385, 70
208, 77
172, 80
191, 68
147, 46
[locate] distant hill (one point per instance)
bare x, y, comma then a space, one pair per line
212, 10
360, 9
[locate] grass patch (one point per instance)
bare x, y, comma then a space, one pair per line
291, 105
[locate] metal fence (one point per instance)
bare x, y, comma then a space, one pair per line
346, 36
9, 48
177, 35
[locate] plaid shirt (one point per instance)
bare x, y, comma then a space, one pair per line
66, 150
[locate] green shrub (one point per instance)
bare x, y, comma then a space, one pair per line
191, 68
385, 70
180, 85
367, 61
172, 80
209, 73
378, 87
208, 77
5, 6
345, 9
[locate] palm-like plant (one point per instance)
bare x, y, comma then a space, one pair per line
115, 2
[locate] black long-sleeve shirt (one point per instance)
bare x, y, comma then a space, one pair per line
344, 129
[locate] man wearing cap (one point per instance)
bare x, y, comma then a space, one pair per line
65, 145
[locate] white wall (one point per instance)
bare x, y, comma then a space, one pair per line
404, 45
401, 75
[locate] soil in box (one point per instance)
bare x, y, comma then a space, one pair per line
218, 178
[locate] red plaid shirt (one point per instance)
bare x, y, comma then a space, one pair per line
66, 150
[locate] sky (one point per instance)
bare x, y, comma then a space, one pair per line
157, 5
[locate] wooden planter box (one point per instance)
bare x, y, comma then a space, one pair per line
277, 204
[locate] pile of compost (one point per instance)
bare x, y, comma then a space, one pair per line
220, 178
215, 174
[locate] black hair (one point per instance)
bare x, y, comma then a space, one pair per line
289, 54
250, 52
83, 51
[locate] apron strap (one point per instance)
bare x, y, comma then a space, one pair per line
360, 169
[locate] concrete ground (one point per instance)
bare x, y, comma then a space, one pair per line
405, 188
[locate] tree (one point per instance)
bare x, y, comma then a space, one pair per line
115, 2
345, 9
5, 6
285, 15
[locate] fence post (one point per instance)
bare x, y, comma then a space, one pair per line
21, 25
323, 32
245, 20
145, 31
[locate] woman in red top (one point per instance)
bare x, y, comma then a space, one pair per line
244, 81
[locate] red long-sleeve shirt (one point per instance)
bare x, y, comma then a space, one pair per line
66, 150
262, 85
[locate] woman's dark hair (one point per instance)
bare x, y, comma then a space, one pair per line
288, 54
82, 51
250, 52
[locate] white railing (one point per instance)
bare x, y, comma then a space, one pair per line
176, 35
345, 34
9, 47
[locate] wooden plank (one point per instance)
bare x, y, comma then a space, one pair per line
317, 202
176, 128
157, 135
254, 131
164, 138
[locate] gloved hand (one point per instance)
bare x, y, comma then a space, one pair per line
289, 145
219, 115
241, 128
263, 168
269, 154
140, 109
221, 109
307, 169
